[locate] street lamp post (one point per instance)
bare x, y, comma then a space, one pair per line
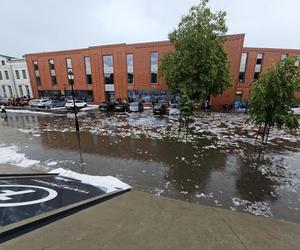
71, 81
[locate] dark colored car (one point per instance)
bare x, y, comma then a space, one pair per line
106, 106
136, 107
121, 107
160, 108
25, 101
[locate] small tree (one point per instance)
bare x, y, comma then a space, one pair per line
199, 66
272, 95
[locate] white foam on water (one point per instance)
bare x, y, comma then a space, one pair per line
9, 155
258, 208
105, 183
22, 111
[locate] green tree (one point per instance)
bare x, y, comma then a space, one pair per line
272, 95
198, 67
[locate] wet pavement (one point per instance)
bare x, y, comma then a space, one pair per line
216, 164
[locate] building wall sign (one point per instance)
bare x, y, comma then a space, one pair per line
109, 87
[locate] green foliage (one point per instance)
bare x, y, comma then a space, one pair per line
199, 63
186, 104
272, 95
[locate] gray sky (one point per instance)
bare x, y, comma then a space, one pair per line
38, 25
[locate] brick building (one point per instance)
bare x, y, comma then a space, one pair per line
131, 70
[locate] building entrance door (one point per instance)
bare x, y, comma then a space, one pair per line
110, 96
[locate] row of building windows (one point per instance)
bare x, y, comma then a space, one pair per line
258, 65
108, 69
17, 74
9, 93
243, 66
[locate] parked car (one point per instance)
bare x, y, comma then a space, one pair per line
7, 101
121, 107
78, 103
33, 102
174, 109
296, 110
160, 108
41, 103
24, 101
37, 103
106, 106
146, 99
136, 107
55, 103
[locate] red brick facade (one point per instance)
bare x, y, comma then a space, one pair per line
141, 67
270, 57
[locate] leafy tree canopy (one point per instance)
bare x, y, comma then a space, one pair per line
272, 95
199, 65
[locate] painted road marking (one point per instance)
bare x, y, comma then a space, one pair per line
6, 193
27, 189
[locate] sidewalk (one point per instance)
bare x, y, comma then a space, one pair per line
138, 220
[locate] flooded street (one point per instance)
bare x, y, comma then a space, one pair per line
216, 164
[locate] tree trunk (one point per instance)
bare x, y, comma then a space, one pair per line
258, 133
264, 133
268, 132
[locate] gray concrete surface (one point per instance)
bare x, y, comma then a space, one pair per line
137, 220
11, 169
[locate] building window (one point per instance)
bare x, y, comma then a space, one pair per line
17, 74
259, 60
10, 91
88, 71
24, 74
4, 91
69, 68
108, 69
154, 66
283, 57
2, 62
21, 91
243, 66
52, 72
37, 73
1, 78
129, 58
6, 74
27, 91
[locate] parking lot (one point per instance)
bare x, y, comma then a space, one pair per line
215, 164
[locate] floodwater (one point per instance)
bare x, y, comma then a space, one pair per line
216, 164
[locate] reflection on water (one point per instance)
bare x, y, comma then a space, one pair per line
217, 164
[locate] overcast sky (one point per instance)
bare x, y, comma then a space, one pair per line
34, 25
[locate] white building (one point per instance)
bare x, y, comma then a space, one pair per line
14, 78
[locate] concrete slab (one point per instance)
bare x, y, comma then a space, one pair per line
11, 169
262, 233
138, 220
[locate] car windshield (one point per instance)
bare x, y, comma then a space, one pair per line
135, 103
